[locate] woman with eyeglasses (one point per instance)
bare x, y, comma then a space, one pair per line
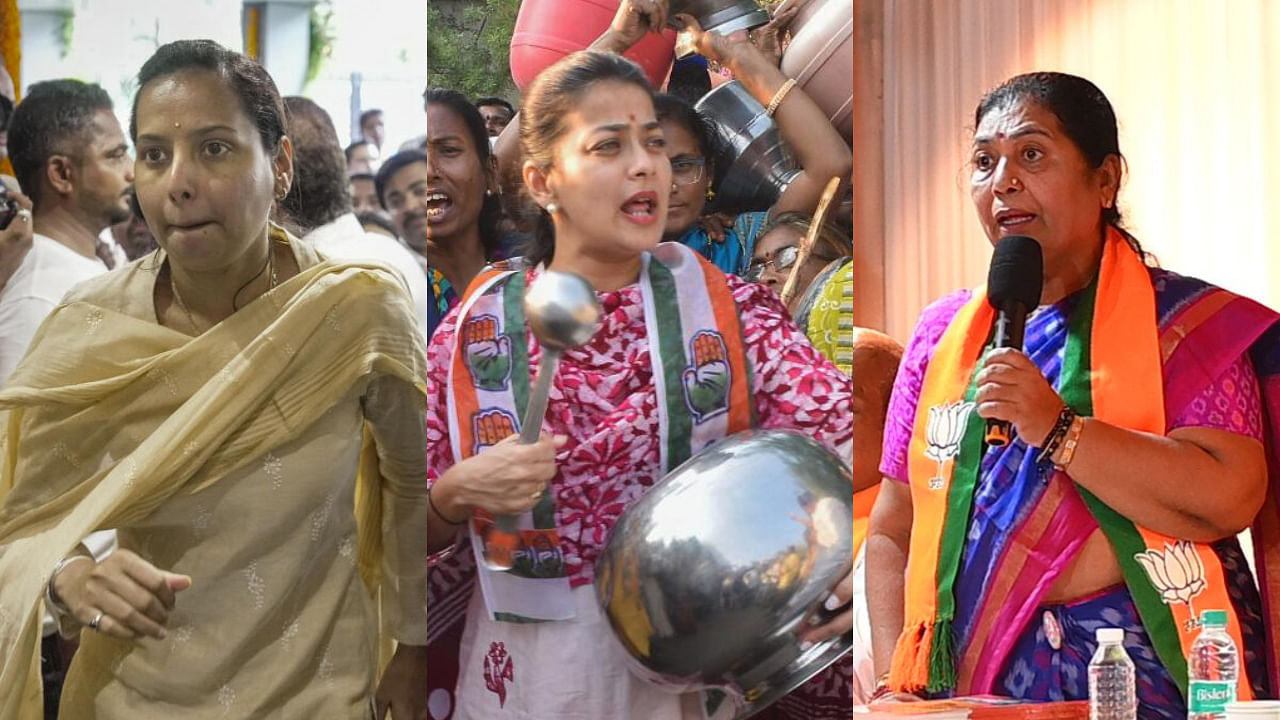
691, 138
691, 143
778, 248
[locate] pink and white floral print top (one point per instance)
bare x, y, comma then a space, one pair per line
603, 399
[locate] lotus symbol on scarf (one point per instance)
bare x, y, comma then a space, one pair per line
943, 434
1177, 573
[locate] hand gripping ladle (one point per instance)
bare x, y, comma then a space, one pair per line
563, 312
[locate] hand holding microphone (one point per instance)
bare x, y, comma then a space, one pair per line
1013, 395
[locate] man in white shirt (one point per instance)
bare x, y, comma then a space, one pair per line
71, 158
318, 205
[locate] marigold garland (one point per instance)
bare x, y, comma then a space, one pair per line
11, 53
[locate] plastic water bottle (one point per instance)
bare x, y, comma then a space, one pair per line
1111, 679
1212, 669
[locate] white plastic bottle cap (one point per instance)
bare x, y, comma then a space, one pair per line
1109, 635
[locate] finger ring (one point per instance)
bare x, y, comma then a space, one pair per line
536, 496
96, 621
24, 215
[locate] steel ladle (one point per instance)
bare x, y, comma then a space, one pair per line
563, 312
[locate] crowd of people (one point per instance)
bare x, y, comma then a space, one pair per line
247, 326
263, 390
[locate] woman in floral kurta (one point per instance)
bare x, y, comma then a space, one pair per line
604, 400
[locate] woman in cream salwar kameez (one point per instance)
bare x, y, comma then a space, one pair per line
248, 415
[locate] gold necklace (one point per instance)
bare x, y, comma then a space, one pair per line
173, 288
177, 296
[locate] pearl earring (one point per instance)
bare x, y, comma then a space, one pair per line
552, 208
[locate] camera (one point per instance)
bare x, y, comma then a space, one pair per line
8, 211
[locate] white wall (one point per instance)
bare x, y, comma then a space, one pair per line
384, 40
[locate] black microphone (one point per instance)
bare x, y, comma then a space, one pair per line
1013, 289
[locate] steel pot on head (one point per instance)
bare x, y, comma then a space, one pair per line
757, 164
723, 16
708, 579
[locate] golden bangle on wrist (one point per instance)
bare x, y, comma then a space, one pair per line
779, 96
1069, 444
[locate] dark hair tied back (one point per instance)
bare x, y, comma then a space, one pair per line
247, 79
1083, 111
551, 98
675, 109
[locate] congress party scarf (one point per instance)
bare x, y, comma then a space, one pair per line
703, 388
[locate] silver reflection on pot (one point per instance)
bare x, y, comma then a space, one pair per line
723, 16
708, 579
758, 164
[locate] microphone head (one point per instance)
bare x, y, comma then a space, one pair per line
1016, 274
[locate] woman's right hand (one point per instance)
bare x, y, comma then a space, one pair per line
728, 50
635, 18
504, 479
133, 596
769, 37
715, 225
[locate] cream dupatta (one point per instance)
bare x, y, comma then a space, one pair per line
110, 414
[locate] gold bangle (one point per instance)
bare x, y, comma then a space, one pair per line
779, 96
882, 688
1069, 444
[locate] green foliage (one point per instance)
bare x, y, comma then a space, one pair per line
323, 36
68, 33
470, 51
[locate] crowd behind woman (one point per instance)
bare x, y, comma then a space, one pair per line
469, 187
210, 348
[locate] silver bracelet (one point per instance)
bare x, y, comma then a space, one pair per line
50, 597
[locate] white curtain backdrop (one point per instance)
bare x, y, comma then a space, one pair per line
1195, 85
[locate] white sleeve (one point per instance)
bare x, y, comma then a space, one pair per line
19, 320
